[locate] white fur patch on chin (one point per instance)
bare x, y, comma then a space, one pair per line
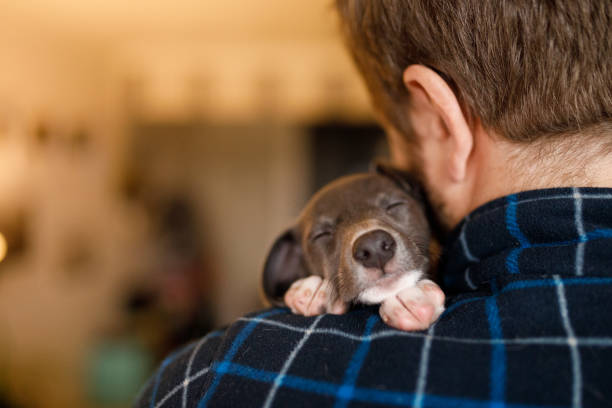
376, 294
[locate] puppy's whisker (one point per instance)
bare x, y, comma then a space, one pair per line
336, 282
314, 295
332, 288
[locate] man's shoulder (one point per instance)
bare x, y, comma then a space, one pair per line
512, 340
184, 368
273, 349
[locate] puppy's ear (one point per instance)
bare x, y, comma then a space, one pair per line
410, 184
402, 178
284, 265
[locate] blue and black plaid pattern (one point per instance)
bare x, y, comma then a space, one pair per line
528, 324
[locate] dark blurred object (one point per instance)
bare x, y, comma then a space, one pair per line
5, 403
186, 279
139, 300
340, 148
178, 227
174, 305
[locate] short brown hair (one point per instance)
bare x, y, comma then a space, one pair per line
526, 68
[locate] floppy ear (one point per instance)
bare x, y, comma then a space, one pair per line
403, 179
284, 265
409, 183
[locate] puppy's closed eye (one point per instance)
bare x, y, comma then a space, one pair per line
317, 236
394, 205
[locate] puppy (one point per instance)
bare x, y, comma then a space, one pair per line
361, 239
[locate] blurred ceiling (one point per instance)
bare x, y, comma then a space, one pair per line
112, 20
231, 59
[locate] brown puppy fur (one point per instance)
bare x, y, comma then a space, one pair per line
325, 240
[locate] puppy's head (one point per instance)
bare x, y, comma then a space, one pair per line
366, 234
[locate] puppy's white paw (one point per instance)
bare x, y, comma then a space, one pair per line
413, 308
311, 296
307, 296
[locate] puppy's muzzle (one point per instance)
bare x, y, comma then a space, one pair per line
374, 249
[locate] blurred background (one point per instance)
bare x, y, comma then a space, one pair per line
150, 152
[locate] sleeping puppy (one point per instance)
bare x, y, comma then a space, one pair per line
361, 239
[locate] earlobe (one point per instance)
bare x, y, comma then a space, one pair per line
432, 98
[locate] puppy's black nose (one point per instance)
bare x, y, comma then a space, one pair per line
374, 249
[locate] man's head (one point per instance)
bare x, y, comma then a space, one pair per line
491, 96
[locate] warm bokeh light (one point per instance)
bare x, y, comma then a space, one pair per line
3, 247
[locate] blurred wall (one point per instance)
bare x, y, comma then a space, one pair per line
83, 86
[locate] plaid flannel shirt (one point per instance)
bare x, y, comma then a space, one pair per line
528, 323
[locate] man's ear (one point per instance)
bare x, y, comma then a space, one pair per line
284, 265
436, 105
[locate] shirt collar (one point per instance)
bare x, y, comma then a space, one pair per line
560, 231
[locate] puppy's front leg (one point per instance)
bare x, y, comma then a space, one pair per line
311, 296
414, 308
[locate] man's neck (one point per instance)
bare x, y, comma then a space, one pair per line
506, 168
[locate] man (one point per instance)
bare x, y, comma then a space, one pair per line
505, 110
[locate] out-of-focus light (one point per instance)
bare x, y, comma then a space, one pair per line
3, 247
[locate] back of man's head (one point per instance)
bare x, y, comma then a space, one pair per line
528, 69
